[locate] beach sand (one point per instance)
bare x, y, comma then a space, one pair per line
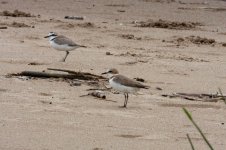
159, 41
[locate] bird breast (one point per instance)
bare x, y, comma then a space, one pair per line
122, 88
63, 47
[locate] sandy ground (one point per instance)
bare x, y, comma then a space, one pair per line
29, 122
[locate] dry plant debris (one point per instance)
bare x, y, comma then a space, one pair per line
129, 36
86, 25
71, 25
193, 39
16, 25
116, 5
16, 13
200, 40
168, 24
213, 9
196, 97
3, 27
96, 93
159, 1
74, 17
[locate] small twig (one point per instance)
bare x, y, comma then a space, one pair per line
223, 97
197, 127
189, 139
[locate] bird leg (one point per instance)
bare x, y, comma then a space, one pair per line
63, 60
126, 99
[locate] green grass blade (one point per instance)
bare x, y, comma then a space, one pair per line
197, 127
189, 139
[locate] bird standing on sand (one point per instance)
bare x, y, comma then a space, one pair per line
62, 43
123, 84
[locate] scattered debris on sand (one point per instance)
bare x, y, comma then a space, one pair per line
86, 25
129, 136
35, 64
109, 53
192, 39
116, 5
223, 44
129, 36
74, 25
19, 25
16, 25
181, 58
96, 93
4, 2
75, 17
3, 27
16, 13
132, 54
120, 10
213, 9
167, 24
127, 54
196, 97
159, 1
200, 40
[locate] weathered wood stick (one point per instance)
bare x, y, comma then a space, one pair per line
44, 74
77, 73
80, 76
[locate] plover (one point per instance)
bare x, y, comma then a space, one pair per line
123, 84
62, 43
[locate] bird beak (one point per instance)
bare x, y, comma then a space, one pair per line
104, 73
47, 36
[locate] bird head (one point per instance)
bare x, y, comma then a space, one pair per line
110, 72
51, 35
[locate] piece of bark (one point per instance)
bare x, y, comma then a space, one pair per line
98, 94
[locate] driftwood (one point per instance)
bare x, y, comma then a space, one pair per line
70, 75
196, 97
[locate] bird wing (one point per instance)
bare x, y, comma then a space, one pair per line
61, 40
128, 82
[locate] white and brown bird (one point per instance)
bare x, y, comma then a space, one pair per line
123, 84
62, 43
